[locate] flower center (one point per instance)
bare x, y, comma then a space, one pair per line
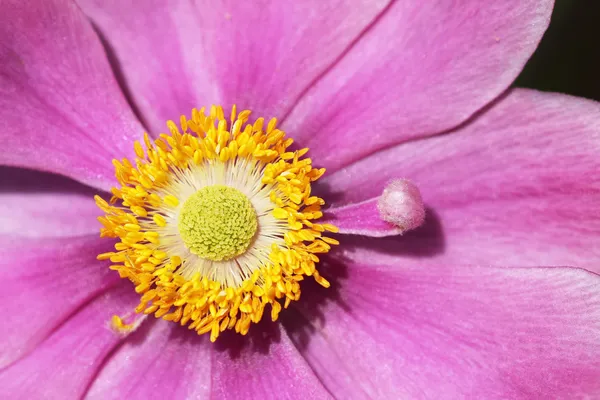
217, 222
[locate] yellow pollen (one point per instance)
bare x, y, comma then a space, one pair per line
217, 222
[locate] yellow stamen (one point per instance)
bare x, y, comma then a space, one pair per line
191, 237
119, 326
171, 200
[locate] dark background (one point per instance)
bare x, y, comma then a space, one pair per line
568, 58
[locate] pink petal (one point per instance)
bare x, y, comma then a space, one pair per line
164, 360
268, 367
259, 55
361, 219
44, 282
60, 107
516, 186
159, 360
66, 363
454, 332
37, 204
422, 68
399, 209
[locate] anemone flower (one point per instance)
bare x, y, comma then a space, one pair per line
226, 230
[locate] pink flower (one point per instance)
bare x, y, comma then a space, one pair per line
495, 297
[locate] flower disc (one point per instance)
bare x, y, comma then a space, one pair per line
216, 222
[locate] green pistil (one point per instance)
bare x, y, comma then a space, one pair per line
217, 222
